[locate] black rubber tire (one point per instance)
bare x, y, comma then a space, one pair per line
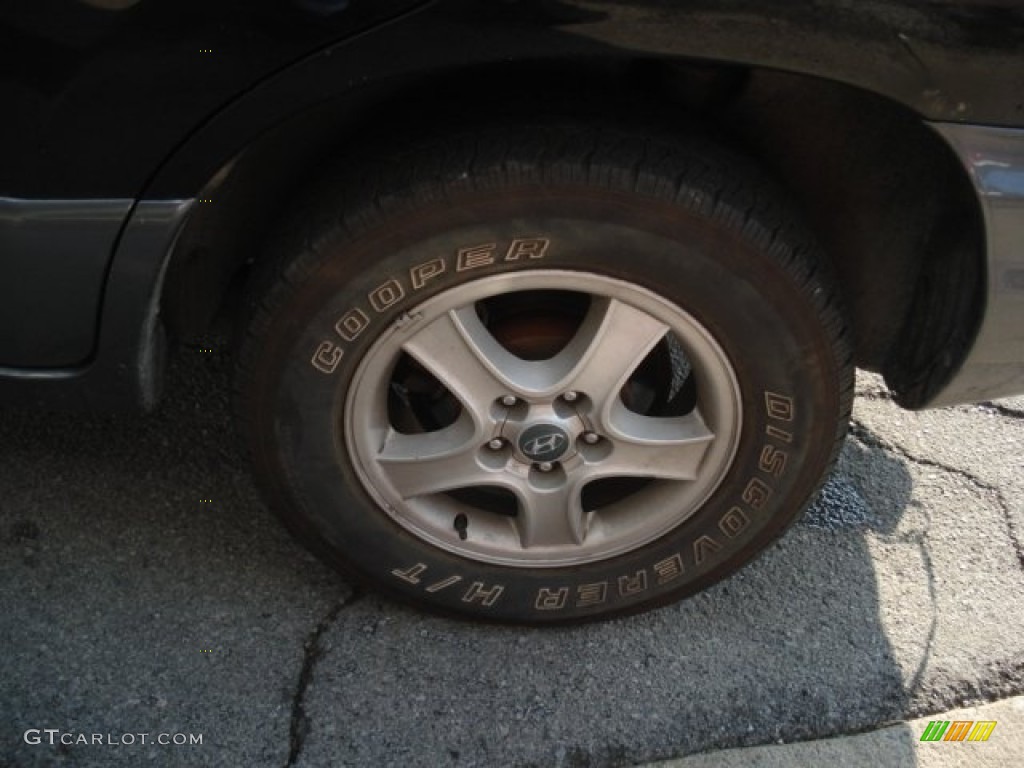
701, 227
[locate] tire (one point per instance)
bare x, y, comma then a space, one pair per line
544, 376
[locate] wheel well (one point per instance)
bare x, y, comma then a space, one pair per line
889, 200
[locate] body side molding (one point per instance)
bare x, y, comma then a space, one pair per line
53, 260
124, 371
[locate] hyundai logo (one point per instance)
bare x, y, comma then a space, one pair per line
543, 442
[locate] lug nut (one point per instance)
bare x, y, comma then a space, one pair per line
570, 396
496, 444
545, 466
590, 438
509, 400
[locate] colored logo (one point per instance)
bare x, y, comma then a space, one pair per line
958, 730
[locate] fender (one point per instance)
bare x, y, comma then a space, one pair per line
909, 55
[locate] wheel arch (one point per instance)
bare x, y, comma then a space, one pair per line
911, 275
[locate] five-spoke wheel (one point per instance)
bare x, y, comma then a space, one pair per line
476, 445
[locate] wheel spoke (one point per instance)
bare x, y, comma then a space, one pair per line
433, 462
612, 341
463, 356
646, 446
550, 516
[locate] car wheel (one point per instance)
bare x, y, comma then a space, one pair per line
545, 376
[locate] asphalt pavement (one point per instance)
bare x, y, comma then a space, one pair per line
146, 589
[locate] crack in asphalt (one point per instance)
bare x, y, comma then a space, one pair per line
1003, 410
916, 681
871, 394
299, 726
865, 435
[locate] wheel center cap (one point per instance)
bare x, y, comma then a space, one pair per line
543, 442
